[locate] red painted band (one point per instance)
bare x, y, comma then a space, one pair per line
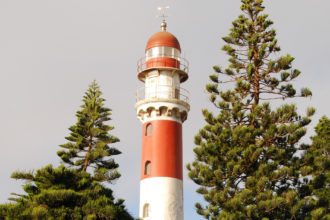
163, 62
162, 149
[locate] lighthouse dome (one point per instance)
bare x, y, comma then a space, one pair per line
163, 39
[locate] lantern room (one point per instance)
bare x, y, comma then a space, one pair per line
163, 51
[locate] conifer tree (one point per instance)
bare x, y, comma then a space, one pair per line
75, 191
316, 168
88, 147
246, 156
62, 193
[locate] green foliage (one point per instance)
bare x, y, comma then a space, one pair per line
88, 147
246, 156
316, 170
74, 191
63, 193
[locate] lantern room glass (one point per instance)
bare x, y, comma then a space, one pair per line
163, 52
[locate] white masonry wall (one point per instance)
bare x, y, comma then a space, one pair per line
163, 196
162, 84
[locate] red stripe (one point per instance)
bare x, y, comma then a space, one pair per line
163, 148
163, 62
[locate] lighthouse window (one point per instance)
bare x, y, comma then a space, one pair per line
148, 131
146, 210
147, 168
162, 52
177, 93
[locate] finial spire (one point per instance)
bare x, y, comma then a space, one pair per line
163, 15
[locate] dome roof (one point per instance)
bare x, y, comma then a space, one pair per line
163, 38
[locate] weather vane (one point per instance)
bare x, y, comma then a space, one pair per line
162, 14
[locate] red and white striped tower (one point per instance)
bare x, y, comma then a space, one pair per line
162, 106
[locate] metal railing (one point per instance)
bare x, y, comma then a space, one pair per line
170, 61
162, 92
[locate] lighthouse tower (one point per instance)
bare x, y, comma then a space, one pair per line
162, 106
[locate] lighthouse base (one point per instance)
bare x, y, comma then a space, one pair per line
161, 198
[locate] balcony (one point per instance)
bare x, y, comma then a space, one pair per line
163, 62
162, 93
162, 100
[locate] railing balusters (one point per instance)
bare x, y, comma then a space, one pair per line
181, 64
162, 91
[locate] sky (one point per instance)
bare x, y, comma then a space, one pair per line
50, 51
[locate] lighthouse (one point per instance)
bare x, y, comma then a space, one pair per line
162, 106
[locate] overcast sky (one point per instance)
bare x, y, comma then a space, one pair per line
51, 50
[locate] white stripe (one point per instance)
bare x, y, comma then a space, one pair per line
144, 105
160, 118
164, 197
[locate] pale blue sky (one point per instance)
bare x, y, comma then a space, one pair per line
50, 51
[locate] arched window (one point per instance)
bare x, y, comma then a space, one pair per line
146, 210
147, 168
148, 131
